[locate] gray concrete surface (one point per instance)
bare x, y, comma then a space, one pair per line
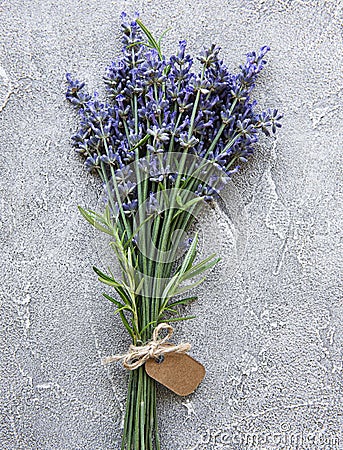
269, 325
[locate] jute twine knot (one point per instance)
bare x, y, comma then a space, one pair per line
138, 355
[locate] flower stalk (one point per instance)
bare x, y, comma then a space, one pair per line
163, 143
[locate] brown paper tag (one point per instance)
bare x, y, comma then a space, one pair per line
179, 372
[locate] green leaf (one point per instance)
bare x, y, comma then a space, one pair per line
198, 269
122, 292
179, 199
105, 278
93, 222
122, 317
135, 43
113, 300
150, 37
190, 256
162, 35
186, 206
166, 70
167, 292
107, 215
184, 301
141, 142
192, 202
120, 255
148, 325
120, 288
179, 319
140, 285
183, 289
172, 288
126, 325
170, 310
178, 212
119, 310
136, 230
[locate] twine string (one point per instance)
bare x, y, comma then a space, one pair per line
138, 355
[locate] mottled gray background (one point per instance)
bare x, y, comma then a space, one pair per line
269, 323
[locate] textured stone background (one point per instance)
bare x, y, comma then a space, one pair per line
269, 324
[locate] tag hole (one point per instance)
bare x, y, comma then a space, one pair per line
159, 359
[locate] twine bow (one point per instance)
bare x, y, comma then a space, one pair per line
138, 355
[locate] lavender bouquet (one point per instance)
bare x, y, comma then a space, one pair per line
163, 144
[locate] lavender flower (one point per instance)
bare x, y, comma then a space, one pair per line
148, 96
164, 95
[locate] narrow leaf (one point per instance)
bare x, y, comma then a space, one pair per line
179, 319
121, 309
93, 222
126, 325
148, 34
170, 310
184, 301
162, 36
123, 293
113, 300
122, 317
183, 289
141, 142
169, 288
199, 269
105, 278
148, 325
190, 256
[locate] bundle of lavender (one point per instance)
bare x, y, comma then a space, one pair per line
164, 144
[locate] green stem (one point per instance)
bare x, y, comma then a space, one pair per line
140, 428
165, 234
148, 440
126, 430
195, 106
115, 185
129, 419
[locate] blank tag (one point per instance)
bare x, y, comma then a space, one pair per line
179, 372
